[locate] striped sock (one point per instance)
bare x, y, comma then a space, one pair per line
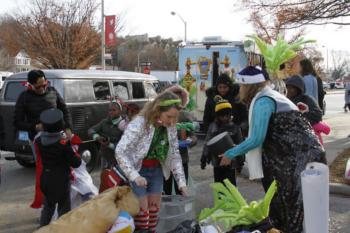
153, 218
142, 220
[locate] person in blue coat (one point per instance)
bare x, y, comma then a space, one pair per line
313, 84
279, 146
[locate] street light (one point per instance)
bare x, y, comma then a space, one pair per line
185, 23
326, 56
103, 46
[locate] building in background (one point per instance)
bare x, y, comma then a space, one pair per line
17, 62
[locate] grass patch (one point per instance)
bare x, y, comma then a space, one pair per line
337, 168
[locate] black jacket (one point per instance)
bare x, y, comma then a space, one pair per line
239, 110
321, 93
57, 158
314, 115
29, 106
236, 135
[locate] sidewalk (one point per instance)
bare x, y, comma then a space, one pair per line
338, 139
335, 91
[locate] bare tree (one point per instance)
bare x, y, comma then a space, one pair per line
341, 64
57, 34
161, 52
271, 27
297, 13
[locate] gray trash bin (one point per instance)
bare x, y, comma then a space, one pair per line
174, 210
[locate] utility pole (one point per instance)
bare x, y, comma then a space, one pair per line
103, 46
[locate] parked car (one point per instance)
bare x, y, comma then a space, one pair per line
86, 93
326, 85
339, 85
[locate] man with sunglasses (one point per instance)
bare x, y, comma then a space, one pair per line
37, 98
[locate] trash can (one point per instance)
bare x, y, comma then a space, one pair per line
174, 210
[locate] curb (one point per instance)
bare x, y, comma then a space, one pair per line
335, 92
342, 189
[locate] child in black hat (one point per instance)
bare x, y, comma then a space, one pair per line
57, 158
223, 122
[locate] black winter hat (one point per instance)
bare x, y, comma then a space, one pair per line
297, 82
222, 106
224, 79
52, 120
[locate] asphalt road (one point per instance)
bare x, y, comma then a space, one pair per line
334, 102
17, 189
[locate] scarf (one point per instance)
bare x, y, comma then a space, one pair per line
254, 157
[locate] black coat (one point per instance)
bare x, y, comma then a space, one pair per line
321, 93
239, 110
30, 105
57, 158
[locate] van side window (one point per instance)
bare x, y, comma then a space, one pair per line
138, 92
150, 90
13, 90
121, 90
101, 89
78, 91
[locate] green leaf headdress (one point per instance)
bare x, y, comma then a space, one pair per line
279, 53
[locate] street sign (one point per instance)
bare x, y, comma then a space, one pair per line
146, 70
146, 63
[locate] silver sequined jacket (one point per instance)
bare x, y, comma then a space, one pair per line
133, 148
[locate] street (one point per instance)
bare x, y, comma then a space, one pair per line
17, 183
334, 101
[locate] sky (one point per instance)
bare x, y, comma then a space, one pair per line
203, 17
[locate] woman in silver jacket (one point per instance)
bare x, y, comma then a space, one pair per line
147, 151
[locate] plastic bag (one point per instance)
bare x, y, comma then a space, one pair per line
112, 178
188, 226
123, 224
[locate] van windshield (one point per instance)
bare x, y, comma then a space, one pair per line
13, 90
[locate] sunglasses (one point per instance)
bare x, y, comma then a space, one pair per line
41, 86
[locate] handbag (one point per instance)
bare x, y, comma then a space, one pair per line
112, 177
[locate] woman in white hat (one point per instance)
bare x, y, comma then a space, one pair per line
280, 144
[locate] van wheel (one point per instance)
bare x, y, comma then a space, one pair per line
25, 163
94, 160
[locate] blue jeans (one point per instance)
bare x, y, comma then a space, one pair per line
154, 177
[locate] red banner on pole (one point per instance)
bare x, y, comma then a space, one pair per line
110, 30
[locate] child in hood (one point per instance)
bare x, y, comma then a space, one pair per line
307, 105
